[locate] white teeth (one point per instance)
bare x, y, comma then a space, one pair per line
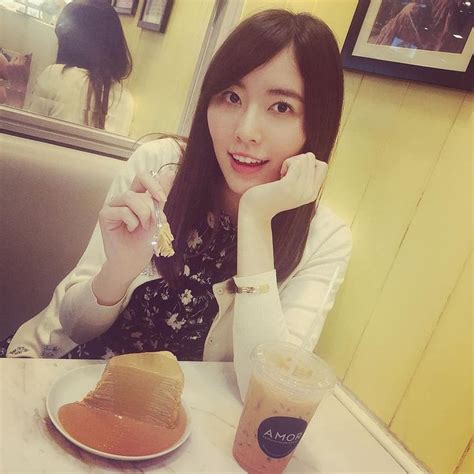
245, 159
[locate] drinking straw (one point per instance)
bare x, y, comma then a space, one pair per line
307, 339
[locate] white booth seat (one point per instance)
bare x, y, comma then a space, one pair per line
49, 200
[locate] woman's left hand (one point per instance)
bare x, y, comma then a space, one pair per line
301, 179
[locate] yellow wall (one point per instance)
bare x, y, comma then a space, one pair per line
400, 335
466, 465
164, 65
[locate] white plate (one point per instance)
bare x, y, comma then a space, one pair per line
74, 386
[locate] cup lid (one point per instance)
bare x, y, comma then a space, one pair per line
291, 367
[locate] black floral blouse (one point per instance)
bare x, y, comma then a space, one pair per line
160, 318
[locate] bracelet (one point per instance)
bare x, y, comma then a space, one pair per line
258, 289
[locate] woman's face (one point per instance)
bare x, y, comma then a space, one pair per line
257, 123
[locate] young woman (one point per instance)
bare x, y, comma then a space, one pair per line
254, 252
85, 85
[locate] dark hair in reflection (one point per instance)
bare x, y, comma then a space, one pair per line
253, 43
90, 36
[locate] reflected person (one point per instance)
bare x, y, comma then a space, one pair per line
85, 86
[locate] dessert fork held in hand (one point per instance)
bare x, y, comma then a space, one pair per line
162, 240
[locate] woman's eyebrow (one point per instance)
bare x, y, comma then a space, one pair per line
286, 92
277, 92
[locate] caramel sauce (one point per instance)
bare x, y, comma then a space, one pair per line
114, 434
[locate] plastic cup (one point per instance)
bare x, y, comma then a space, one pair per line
285, 389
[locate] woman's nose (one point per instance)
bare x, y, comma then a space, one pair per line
248, 128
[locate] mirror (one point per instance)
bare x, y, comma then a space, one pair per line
37, 37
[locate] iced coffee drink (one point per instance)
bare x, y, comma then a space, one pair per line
285, 389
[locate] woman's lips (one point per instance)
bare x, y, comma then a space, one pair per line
246, 168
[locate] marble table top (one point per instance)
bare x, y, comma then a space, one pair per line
333, 442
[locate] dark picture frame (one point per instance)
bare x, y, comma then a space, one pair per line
155, 15
379, 42
125, 7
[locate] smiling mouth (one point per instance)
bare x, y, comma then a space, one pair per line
247, 161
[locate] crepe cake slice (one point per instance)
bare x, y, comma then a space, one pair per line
146, 387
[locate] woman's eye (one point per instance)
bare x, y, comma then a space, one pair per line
282, 107
231, 97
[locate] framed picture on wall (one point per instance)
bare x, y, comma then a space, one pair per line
421, 40
155, 14
125, 7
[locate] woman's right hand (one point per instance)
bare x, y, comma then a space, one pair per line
127, 223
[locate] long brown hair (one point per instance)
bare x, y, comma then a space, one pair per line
253, 43
90, 37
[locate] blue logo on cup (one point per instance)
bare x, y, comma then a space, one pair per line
278, 436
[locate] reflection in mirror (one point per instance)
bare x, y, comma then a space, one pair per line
85, 85
151, 97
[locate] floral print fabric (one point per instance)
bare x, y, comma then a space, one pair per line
160, 318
